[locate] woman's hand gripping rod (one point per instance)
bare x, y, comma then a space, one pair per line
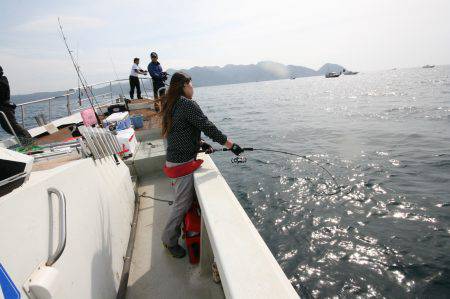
235, 160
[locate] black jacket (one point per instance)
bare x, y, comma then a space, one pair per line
183, 139
156, 72
4, 91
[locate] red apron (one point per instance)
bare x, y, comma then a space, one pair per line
183, 169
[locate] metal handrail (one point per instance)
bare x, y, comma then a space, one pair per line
143, 85
45, 100
73, 91
159, 90
99, 95
10, 127
63, 225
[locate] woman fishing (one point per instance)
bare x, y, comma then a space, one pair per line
182, 123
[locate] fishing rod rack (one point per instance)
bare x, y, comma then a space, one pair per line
100, 142
96, 142
73, 96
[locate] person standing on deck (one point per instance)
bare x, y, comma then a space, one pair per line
158, 76
8, 109
182, 124
134, 79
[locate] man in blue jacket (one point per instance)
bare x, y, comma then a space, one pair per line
157, 74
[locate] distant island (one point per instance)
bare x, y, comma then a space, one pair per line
215, 75
262, 71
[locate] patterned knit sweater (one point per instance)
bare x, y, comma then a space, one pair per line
183, 139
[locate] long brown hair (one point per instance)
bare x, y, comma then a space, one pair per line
173, 94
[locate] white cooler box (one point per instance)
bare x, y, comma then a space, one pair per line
127, 141
120, 119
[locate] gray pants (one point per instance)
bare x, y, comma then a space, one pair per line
184, 195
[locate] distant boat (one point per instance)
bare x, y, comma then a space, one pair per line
332, 75
292, 78
350, 73
428, 66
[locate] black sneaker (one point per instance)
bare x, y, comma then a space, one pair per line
176, 251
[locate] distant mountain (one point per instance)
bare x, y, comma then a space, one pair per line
262, 71
330, 67
215, 75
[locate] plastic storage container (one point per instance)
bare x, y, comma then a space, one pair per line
88, 116
127, 141
191, 233
137, 121
121, 120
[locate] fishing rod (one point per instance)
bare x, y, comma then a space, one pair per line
115, 72
80, 75
163, 82
167, 77
78, 81
243, 159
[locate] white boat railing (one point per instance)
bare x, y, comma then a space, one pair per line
105, 98
246, 266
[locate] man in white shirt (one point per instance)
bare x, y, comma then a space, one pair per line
134, 78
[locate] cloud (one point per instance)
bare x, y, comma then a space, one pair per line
362, 36
50, 23
20, 69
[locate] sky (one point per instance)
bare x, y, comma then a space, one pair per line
362, 35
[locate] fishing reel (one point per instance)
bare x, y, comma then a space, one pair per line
239, 160
234, 160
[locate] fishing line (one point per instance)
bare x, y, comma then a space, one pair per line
244, 159
115, 72
303, 157
339, 187
80, 75
78, 81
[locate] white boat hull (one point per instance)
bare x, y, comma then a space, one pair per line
99, 204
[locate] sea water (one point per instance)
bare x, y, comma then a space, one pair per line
385, 135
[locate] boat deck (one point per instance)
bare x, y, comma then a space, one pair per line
142, 107
154, 273
63, 134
